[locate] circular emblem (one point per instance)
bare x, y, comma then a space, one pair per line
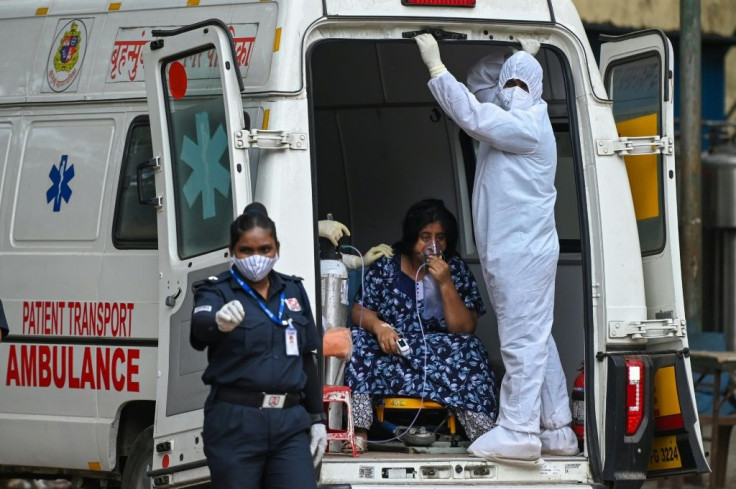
67, 53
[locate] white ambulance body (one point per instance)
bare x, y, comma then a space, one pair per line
119, 178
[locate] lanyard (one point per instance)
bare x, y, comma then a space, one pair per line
249, 291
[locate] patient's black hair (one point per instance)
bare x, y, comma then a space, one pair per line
419, 215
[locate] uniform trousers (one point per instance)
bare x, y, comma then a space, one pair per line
254, 447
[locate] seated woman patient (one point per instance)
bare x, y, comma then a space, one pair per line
426, 295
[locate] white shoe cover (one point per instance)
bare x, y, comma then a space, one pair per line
559, 441
509, 447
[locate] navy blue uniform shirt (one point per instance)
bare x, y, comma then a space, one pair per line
253, 355
3, 322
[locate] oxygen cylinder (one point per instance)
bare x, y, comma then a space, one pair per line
578, 407
334, 286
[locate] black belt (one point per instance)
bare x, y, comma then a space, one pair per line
237, 395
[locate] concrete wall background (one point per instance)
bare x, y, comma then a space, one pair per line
718, 17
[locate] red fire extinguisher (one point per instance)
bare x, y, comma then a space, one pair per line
578, 406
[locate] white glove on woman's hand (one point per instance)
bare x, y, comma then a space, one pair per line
430, 52
317, 442
229, 316
332, 230
377, 252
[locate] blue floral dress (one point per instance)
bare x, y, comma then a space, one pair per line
458, 372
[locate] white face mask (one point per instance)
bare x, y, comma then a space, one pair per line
255, 267
515, 98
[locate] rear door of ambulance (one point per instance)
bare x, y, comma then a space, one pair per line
655, 430
202, 182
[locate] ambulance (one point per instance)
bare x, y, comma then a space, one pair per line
133, 131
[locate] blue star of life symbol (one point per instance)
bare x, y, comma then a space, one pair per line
203, 157
60, 178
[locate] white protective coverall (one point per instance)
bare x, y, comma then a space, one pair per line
513, 213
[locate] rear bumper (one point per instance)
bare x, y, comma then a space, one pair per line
389, 470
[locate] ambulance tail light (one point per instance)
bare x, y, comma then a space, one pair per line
439, 3
634, 395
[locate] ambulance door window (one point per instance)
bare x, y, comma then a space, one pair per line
199, 155
566, 206
634, 85
134, 226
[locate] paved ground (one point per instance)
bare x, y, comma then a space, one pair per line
688, 483
36, 484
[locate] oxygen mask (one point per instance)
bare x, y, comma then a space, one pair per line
431, 248
430, 292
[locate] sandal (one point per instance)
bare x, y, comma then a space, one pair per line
361, 446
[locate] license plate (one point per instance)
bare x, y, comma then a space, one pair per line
665, 454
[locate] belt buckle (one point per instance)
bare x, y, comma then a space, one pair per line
273, 401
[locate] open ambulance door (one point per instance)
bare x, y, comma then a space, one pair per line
202, 181
655, 430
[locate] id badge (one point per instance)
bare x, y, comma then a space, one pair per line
292, 342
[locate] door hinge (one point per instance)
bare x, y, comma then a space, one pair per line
646, 329
646, 145
270, 139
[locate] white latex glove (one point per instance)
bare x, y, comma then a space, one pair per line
332, 230
377, 252
430, 52
531, 46
353, 261
317, 442
229, 316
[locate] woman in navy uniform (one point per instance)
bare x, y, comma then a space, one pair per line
264, 418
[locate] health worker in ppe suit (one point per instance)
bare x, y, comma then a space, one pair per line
513, 212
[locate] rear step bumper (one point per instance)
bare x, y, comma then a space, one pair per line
458, 486
400, 470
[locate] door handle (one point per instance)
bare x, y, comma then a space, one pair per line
150, 165
171, 299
